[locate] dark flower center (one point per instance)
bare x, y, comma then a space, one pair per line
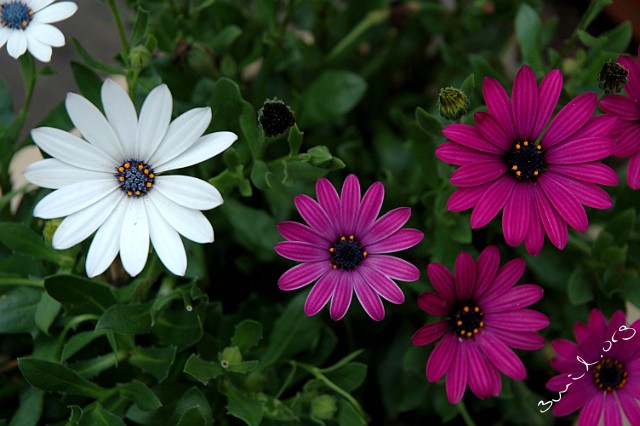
135, 177
275, 117
609, 375
465, 319
15, 15
526, 161
346, 253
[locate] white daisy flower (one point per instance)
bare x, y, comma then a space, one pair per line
26, 25
113, 182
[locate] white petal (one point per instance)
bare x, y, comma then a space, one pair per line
94, 127
80, 225
183, 132
206, 147
47, 34
106, 242
121, 114
36, 5
39, 50
17, 43
190, 223
134, 237
54, 174
4, 35
188, 191
166, 241
72, 150
54, 13
155, 116
72, 198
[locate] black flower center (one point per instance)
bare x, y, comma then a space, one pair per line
15, 15
275, 117
465, 319
526, 161
609, 375
135, 177
346, 253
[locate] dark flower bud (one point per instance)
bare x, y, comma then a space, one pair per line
275, 117
613, 77
453, 103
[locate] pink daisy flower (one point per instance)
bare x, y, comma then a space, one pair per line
344, 248
484, 316
539, 182
600, 375
627, 110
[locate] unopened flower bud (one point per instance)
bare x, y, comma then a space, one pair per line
50, 227
323, 407
453, 103
275, 117
230, 355
139, 57
612, 77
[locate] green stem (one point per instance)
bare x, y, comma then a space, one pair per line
372, 19
123, 37
21, 282
287, 381
465, 414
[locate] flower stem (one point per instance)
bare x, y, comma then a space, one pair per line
123, 38
465, 414
21, 282
372, 19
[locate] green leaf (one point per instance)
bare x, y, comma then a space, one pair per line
621, 224
88, 82
126, 319
469, 84
155, 361
294, 138
247, 335
261, 236
78, 342
140, 27
595, 7
201, 370
225, 38
191, 417
528, 30
46, 312
92, 62
139, 393
243, 367
579, 287
332, 95
101, 417
250, 131
54, 377
79, 295
348, 415
350, 377
190, 400
89, 368
19, 238
226, 104
243, 406
260, 174
18, 309
76, 414
179, 327
428, 122
30, 408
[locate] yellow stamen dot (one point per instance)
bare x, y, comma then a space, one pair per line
148, 184
146, 171
351, 237
475, 331
121, 169
129, 193
127, 165
151, 175
137, 192
525, 143
31, 13
536, 173
24, 24
481, 324
466, 309
459, 323
469, 334
331, 250
518, 146
121, 178
365, 254
335, 266
140, 167
476, 309
462, 332
518, 173
343, 238
514, 167
539, 147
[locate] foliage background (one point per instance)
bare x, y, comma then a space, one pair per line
223, 344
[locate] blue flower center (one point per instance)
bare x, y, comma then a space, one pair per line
346, 253
15, 15
465, 319
135, 178
526, 161
609, 375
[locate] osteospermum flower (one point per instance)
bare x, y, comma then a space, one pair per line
483, 316
345, 249
600, 374
627, 110
113, 182
25, 24
539, 182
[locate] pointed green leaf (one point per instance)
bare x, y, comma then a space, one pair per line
78, 342
201, 370
141, 394
155, 361
47, 311
30, 408
243, 406
79, 295
55, 377
21, 239
247, 335
126, 319
88, 82
101, 417
17, 310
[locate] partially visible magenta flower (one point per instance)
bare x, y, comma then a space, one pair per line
600, 375
344, 248
627, 110
483, 316
540, 185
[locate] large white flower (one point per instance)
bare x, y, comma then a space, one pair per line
113, 181
26, 25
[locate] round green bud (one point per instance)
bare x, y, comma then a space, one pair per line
453, 103
230, 355
139, 57
50, 227
323, 407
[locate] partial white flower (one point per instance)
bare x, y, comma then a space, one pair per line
112, 182
25, 24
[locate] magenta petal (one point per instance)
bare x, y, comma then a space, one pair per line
554, 225
475, 174
515, 217
621, 106
633, 172
573, 400
565, 348
628, 142
429, 333
469, 136
382, 284
484, 379
517, 321
612, 411
589, 172
576, 151
492, 202
301, 252
465, 276
486, 268
633, 86
315, 216
515, 298
534, 240
492, 131
433, 304
598, 126
440, 359
295, 231
524, 102
393, 267
592, 411
321, 293
341, 298
401, 240
369, 299
442, 281
465, 198
370, 208
586, 193
506, 278
528, 340
386, 225
330, 202
573, 116
457, 374
548, 94
349, 204
454, 153
630, 408
498, 104
581, 331
303, 274
501, 356
564, 202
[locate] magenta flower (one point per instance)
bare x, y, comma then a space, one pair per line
484, 316
627, 110
600, 374
541, 185
344, 248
